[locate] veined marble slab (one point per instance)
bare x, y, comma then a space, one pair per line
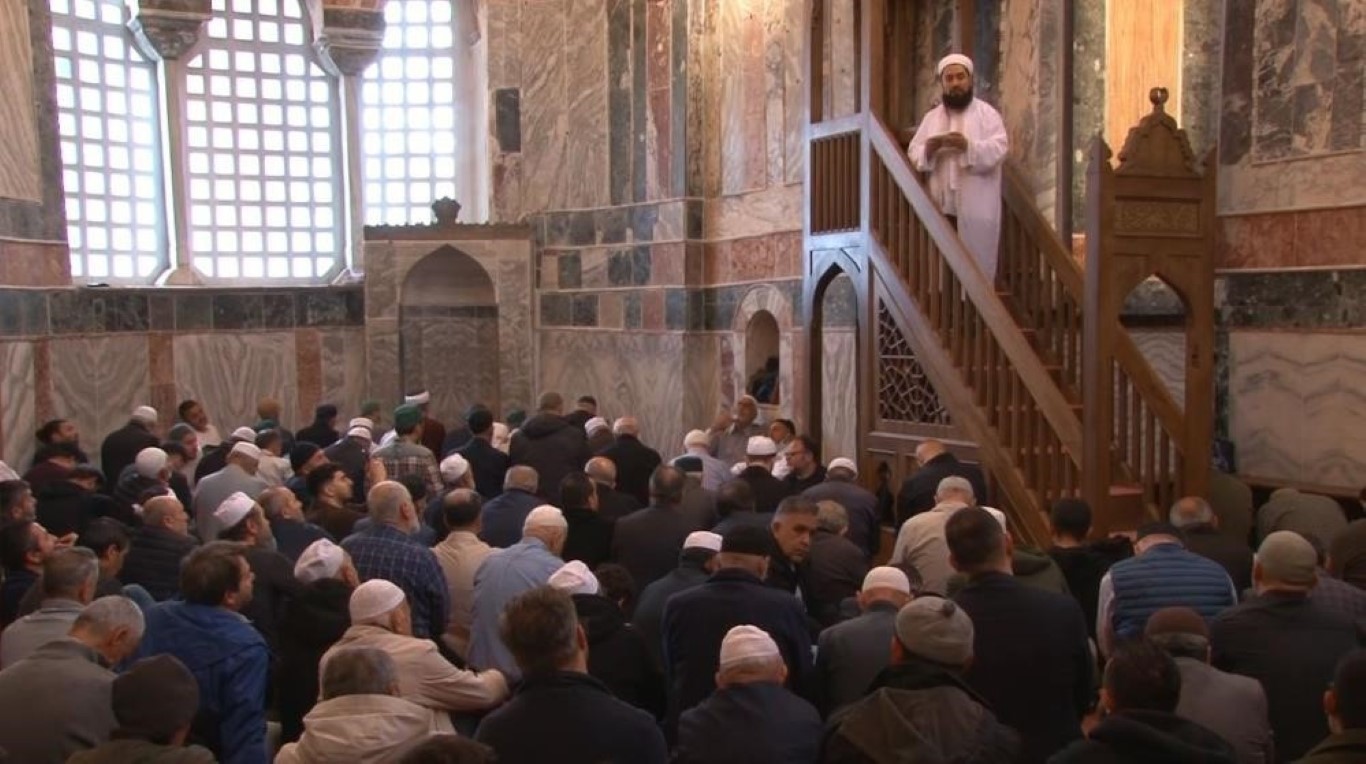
17, 416
839, 394
97, 382
20, 175
1296, 407
343, 368
229, 373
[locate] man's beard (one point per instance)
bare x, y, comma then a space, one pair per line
958, 101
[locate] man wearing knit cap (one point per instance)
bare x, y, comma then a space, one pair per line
121, 446
154, 703
751, 716
758, 472
382, 620
696, 561
1033, 664
696, 621
388, 550
903, 716
507, 573
1285, 639
852, 653
961, 143
433, 432
841, 486
455, 473
303, 459
714, 471
406, 455
316, 619
239, 476
1232, 706
275, 587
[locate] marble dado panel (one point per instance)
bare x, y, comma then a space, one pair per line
1306, 299
753, 258
98, 381
1165, 351
1308, 238
34, 263
1296, 408
18, 416
639, 374
342, 358
20, 174
839, 394
231, 372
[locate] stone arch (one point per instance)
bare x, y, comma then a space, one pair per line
762, 298
448, 332
761, 344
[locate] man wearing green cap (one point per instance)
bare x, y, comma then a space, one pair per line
405, 455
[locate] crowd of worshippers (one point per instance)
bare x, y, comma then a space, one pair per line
551, 589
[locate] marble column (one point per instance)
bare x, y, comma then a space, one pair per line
166, 30
347, 45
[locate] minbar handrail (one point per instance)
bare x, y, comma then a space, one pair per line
1048, 397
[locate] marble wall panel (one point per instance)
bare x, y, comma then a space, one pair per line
702, 395
517, 342
454, 358
585, 81
343, 368
839, 394
1296, 411
777, 208
18, 418
545, 116
20, 173
731, 21
229, 373
1165, 350
796, 111
640, 374
98, 381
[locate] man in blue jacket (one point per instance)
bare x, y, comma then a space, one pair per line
227, 656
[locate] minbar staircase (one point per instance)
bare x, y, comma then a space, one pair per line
1035, 368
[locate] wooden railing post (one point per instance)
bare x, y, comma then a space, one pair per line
1098, 414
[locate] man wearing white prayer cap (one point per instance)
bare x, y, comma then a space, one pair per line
714, 471
121, 447
507, 573
316, 619
382, 620
760, 452
323, 559
841, 486
696, 561
237, 476
961, 143
433, 432
751, 716
574, 578
853, 652
455, 472
276, 589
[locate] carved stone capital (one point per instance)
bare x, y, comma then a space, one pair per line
166, 29
350, 39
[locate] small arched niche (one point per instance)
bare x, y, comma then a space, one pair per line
761, 358
448, 332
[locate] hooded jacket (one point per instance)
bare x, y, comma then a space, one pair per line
919, 711
551, 446
315, 620
357, 728
64, 507
618, 656
1138, 737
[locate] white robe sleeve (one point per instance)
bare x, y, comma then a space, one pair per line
987, 149
928, 128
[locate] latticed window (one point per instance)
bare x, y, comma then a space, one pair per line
262, 135
108, 122
408, 97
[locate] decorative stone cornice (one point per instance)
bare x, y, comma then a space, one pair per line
166, 29
350, 39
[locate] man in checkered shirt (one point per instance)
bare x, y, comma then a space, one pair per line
388, 550
405, 455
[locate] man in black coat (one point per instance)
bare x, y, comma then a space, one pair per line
559, 713
635, 461
585, 408
851, 654
68, 505
121, 446
646, 543
696, 621
275, 587
735, 506
936, 463
834, 567
488, 464
859, 503
1287, 640
1139, 696
612, 504
503, 516
1032, 663
323, 431
314, 622
793, 526
803, 463
550, 445
590, 534
696, 562
758, 472
1083, 563
159, 544
1200, 532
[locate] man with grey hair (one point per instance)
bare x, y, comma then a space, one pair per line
68, 585
57, 701
550, 444
730, 432
920, 541
388, 550
362, 716
834, 567
1199, 526
159, 544
507, 573
635, 461
840, 485
504, 515
612, 504
292, 532
714, 471
1230, 705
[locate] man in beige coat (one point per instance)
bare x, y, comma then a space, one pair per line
921, 539
460, 554
380, 619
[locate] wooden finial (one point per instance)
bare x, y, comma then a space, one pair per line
1158, 96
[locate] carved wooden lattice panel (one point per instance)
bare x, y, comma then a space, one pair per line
904, 391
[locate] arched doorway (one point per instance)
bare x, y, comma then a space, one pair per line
448, 332
761, 358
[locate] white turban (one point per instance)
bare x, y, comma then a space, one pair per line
950, 60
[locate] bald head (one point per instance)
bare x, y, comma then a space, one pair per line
602, 470
158, 509
277, 502
521, 478
1191, 510
386, 502
928, 449
626, 425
